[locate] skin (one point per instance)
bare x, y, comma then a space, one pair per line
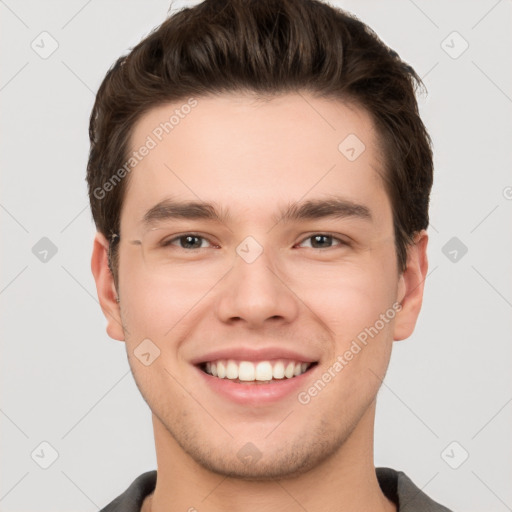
253, 157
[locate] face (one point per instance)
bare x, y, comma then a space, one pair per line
290, 272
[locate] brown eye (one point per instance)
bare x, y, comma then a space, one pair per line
187, 241
323, 241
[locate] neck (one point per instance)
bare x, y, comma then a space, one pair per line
345, 481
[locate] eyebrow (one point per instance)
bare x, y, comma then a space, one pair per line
333, 207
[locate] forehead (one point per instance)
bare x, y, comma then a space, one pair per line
251, 155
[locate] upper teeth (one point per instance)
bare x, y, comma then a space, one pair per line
249, 371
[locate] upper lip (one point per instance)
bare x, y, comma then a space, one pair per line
252, 354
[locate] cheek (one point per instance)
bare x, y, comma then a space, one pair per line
349, 297
152, 310
154, 302
357, 307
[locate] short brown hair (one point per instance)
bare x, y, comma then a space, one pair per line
266, 47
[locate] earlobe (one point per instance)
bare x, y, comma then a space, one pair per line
105, 287
410, 287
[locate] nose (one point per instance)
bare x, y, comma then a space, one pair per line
257, 293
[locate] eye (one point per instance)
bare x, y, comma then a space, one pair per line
323, 240
186, 241
193, 241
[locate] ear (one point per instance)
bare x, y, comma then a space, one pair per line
410, 287
105, 287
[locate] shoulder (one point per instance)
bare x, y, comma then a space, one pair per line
132, 498
398, 487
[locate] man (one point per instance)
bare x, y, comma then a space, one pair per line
259, 177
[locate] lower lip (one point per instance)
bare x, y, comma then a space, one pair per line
252, 393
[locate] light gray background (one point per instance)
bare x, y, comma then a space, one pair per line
65, 382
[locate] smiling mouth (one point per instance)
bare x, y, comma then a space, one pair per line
259, 372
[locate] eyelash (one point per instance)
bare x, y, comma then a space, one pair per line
168, 242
